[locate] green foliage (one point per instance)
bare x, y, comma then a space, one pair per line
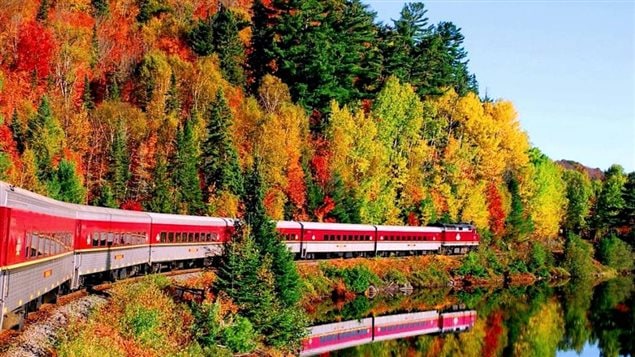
162, 200
240, 336
395, 276
45, 137
518, 223
188, 193
105, 197
610, 202
579, 192
431, 276
226, 42
627, 216
220, 165
346, 208
119, 173
100, 7
66, 185
616, 253
471, 265
518, 266
17, 130
540, 260
578, 257
43, 11
151, 8
357, 279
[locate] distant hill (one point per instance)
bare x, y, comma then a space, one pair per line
594, 173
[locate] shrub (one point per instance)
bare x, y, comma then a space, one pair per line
240, 336
395, 276
357, 279
517, 266
539, 260
472, 266
578, 257
431, 276
615, 253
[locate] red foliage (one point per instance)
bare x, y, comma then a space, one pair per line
326, 207
495, 207
175, 46
132, 205
412, 219
320, 162
493, 334
36, 47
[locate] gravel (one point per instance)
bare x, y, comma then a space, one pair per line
38, 338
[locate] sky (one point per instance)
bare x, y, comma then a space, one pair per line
568, 67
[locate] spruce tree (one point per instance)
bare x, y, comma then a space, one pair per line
186, 181
172, 102
17, 131
43, 10
220, 166
119, 162
227, 43
627, 216
87, 96
105, 197
518, 221
45, 137
162, 198
66, 185
100, 7
346, 208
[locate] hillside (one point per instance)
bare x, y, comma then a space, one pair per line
163, 105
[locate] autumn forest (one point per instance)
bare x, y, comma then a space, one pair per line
164, 105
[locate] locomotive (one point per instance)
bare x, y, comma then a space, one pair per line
48, 247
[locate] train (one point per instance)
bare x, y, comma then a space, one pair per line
346, 334
48, 247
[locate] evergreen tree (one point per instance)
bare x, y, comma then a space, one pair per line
579, 193
87, 96
268, 240
610, 202
220, 166
172, 102
119, 173
105, 198
45, 137
43, 10
227, 43
518, 222
264, 21
17, 131
201, 37
627, 216
100, 7
347, 207
162, 198
151, 8
186, 181
66, 185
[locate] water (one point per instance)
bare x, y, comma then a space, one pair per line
575, 319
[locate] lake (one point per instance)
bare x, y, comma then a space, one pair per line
573, 319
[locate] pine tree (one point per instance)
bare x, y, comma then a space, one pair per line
162, 198
100, 7
66, 185
186, 181
518, 222
627, 216
45, 137
201, 37
43, 10
346, 205
119, 173
172, 102
87, 96
220, 166
227, 43
105, 197
17, 131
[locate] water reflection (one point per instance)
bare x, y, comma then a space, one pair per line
574, 319
339, 335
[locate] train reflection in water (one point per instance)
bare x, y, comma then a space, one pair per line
340, 335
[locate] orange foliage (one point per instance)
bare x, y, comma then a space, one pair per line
326, 207
132, 205
297, 188
493, 334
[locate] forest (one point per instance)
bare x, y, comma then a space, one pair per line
287, 109
164, 105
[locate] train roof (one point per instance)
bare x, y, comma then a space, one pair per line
288, 224
95, 213
15, 197
338, 226
409, 229
164, 218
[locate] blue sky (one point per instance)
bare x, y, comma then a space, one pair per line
568, 67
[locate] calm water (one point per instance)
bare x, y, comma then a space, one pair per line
574, 319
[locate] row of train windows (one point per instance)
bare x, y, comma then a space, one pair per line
43, 244
109, 239
189, 237
406, 238
411, 325
343, 335
351, 237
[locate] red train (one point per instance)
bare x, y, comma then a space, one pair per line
47, 246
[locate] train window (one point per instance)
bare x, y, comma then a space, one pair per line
197, 237
170, 237
190, 237
177, 237
95, 239
164, 237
